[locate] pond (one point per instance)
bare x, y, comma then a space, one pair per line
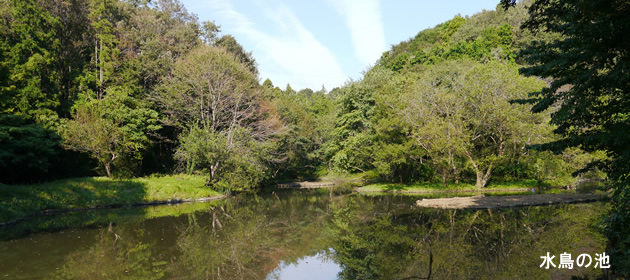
310, 234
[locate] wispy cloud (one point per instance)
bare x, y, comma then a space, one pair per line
292, 55
363, 18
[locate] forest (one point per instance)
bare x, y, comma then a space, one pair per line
133, 88
137, 88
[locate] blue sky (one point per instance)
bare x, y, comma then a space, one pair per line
325, 42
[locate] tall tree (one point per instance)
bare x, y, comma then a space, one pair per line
75, 48
217, 101
353, 130
590, 72
308, 117
230, 44
28, 56
117, 126
103, 17
151, 40
462, 109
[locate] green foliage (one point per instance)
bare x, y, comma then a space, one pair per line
489, 35
449, 28
308, 118
231, 45
494, 43
400, 61
349, 149
26, 149
214, 152
216, 98
449, 120
351, 134
57, 56
102, 18
460, 113
151, 39
116, 126
27, 58
89, 132
369, 135
588, 93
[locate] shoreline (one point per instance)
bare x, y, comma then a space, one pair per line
495, 202
445, 191
113, 206
93, 193
18, 202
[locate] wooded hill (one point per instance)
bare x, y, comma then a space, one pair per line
131, 88
441, 106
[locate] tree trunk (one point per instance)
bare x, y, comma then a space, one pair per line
108, 169
444, 177
481, 182
483, 178
213, 173
191, 167
108, 164
100, 79
456, 174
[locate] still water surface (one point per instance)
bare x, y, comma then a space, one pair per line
312, 234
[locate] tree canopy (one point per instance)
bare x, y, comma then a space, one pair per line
588, 92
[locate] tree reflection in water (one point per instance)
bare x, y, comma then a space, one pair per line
458, 244
381, 237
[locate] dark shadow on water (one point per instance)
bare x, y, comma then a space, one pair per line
30, 204
97, 218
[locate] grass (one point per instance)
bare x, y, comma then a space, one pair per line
339, 176
17, 201
438, 187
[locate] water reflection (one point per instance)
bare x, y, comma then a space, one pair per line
280, 235
409, 243
317, 267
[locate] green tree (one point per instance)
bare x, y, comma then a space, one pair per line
308, 119
89, 132
211, 95
462, 109
76, 47
26, 149
352, 134
152, 39
588, 68
369, 135
27, 58
102, 17
231, 45
117, 126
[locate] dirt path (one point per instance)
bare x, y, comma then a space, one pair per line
489, 202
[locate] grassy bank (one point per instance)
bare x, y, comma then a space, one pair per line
438, 187
17, 201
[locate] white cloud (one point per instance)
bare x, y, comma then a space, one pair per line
363, 18
292, 55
